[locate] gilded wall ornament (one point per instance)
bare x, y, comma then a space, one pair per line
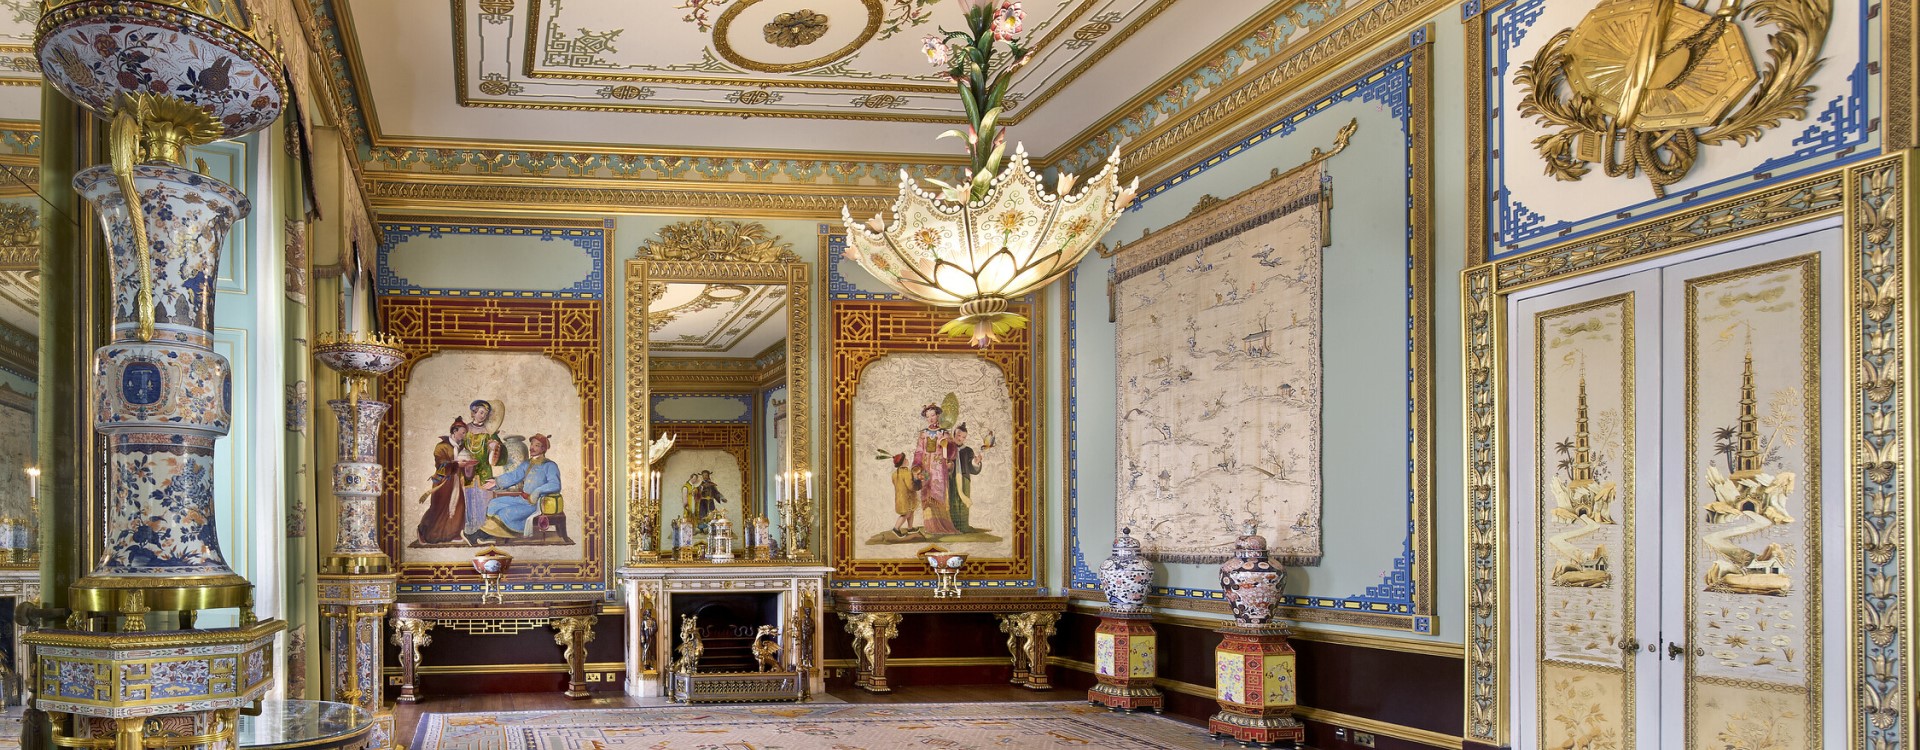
19, 226
1640, 85
797, 29
715, 240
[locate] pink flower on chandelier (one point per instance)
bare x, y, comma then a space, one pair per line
1008, 21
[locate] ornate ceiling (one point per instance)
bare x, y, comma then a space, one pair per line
715, 320
831, 77
19, 71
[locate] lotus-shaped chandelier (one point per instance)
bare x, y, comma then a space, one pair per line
999, 234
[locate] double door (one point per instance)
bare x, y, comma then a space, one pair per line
1674, 490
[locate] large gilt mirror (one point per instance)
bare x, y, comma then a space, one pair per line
718, 326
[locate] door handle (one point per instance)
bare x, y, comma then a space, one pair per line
1674, 650
1630, 645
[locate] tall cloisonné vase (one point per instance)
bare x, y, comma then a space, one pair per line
166, 74
1254, 665
356, 581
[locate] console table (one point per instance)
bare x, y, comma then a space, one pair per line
873, 618
571, 619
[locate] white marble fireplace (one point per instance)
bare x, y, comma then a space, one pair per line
652, 590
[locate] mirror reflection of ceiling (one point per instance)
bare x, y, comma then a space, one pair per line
833, 71
715, 320
19, 71
20, 267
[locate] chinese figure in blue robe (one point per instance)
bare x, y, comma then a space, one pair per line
529, 486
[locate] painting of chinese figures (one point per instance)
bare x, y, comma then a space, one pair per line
1583, 376
491, 455
1753, 590
705, 476
1218, 346
931, 462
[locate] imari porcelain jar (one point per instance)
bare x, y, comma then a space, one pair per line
1126, 575
1251, 580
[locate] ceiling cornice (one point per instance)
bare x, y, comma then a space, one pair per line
1360, 31
464, 194
413, 173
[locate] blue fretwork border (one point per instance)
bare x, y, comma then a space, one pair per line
838, 286
591, 239
1390, 87
1836, 131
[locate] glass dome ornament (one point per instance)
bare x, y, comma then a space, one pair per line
1000, 234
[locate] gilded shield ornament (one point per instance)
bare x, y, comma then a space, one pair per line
1638, 86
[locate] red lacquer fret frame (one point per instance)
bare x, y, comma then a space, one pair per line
861, 332
566, 331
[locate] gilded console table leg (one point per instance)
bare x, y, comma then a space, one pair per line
575, 633
1016, 631
411, 636
1038, 631
862, 631
873, 634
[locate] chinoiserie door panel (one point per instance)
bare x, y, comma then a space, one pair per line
1748, 505
1589, 584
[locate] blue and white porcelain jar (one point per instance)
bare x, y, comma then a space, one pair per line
1126, 576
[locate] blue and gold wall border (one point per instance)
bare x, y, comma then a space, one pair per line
1398, 79
1872, 196
1854, 106
590, 237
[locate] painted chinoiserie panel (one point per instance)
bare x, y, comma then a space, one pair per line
1753, 506
1584, 557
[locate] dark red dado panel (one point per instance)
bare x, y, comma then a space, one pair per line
1416, 690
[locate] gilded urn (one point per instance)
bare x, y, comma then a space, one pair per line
1125, 576
1252, 581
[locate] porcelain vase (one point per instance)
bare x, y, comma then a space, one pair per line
1252, 581
1126, 576
162, 403
357, 475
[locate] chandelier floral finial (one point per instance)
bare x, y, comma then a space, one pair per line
998, 234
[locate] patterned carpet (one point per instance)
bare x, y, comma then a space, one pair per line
961, 726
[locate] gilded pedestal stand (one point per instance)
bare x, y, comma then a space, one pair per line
1124, 649
356, 581
119, 676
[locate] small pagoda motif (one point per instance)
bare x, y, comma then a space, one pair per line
1747, 492
1584, 502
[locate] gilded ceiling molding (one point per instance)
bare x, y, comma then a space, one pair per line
1198, 118
773, 167
20, 138
1083, 34
17, 180
412, 195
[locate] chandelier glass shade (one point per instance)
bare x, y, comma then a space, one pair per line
1000, 234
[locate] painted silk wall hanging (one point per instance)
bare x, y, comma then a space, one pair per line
1218, 323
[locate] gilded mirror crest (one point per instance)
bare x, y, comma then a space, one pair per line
717, 240
1639, 86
